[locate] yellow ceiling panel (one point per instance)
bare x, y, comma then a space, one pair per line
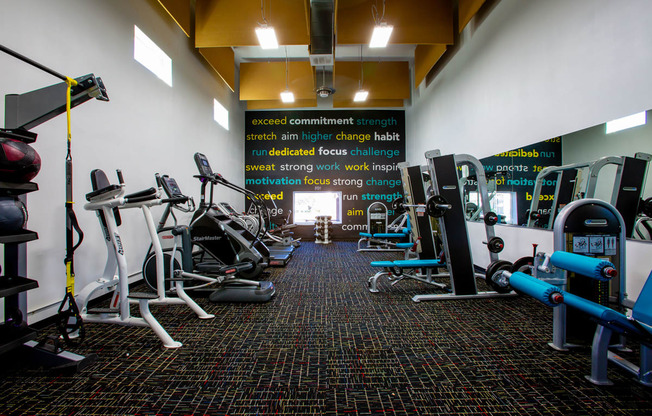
180, 12
383, 80
414, 21
273, 104
266, 80
425, 57
223, 62
232, 23
468, 9
343, 103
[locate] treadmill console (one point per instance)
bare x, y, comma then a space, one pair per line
171, 187
228, 208
202, 164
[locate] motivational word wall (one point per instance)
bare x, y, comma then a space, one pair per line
521, 167
352, 154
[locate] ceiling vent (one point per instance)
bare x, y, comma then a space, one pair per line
321, 33
321, 60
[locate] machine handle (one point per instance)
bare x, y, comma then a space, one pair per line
120, 177
176, 200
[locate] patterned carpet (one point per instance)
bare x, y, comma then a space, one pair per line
326, 346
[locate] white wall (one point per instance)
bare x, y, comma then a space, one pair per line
531, 71
147, 127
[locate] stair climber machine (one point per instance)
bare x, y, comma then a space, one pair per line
278, 235
248, 244
206, 252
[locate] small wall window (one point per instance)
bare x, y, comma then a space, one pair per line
152, 57
623, 123
308, 205
220, 114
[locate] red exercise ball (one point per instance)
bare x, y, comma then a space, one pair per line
19, 162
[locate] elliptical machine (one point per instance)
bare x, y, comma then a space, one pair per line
207, 216
211, 262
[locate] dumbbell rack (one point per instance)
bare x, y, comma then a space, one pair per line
323, 229
13, 283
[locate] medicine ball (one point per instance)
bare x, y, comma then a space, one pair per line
19, 162
13, 215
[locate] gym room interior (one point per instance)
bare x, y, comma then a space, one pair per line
304, 309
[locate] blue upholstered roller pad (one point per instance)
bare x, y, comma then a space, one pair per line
605, 316
389, 235
366, 235
586, 266
642, 310
534, 287
382, 264
408, 264
413, 264
404, 245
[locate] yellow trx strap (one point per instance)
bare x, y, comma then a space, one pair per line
70, 276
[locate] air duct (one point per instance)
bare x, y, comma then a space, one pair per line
321, 32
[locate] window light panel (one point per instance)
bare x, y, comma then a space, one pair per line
220, 114
152, 57
628, 122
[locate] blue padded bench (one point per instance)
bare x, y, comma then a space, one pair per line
383, 241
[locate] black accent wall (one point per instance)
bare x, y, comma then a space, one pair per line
354, 152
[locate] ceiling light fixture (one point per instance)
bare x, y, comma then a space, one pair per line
287, 96
382, 31
324, 91
360, 95
265, 33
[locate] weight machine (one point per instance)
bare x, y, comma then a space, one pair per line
443, 230
380, 235
587, 273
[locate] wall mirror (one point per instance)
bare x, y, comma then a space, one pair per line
611, 166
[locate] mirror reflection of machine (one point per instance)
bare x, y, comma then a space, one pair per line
580, 180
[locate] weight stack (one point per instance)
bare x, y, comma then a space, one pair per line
323, 229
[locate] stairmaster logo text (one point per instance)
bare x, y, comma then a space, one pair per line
207, 238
